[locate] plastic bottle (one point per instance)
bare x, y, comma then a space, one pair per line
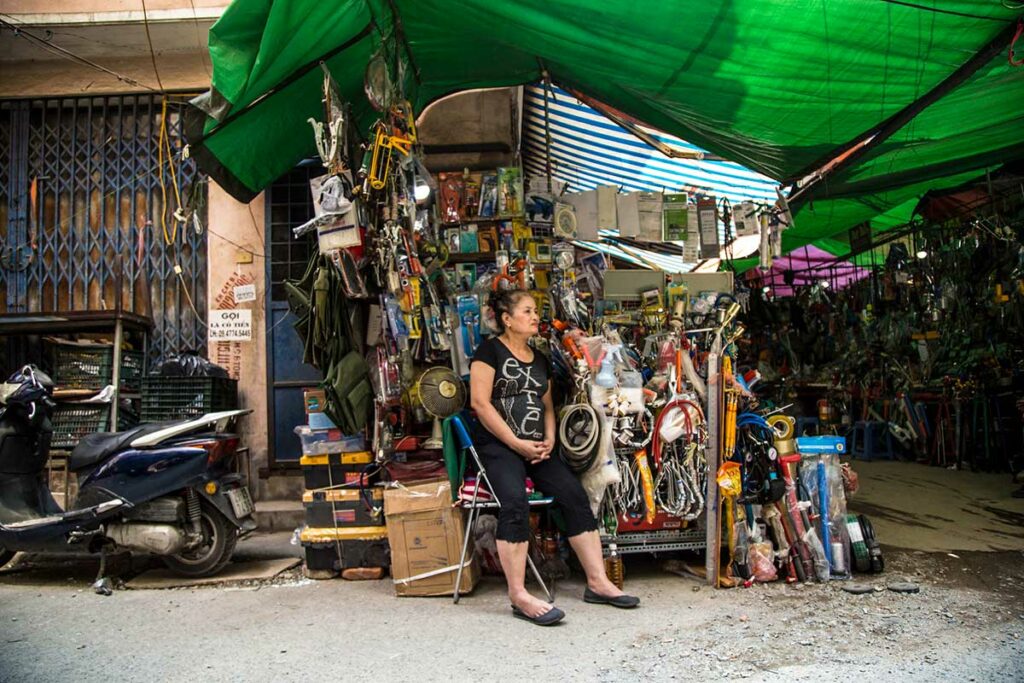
614, 567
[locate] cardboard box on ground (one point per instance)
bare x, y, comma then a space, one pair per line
425, 533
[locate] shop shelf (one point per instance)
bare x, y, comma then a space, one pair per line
181, 398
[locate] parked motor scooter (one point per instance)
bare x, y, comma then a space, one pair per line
163, 489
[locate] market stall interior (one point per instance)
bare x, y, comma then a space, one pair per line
673, 446
706, 411
719, 356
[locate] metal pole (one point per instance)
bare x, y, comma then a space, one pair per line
713, 541
116, 370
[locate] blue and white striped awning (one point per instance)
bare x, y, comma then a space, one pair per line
635, 255
589, 150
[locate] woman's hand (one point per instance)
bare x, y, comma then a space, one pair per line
549, 446
532, 451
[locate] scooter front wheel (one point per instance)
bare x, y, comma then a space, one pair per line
218, 544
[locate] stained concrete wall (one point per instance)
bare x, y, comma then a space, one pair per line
236, 251
475, 130
178, 73
111, 34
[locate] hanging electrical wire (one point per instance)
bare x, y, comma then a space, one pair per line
149, 40
164, 143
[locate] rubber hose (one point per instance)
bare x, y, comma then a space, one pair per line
579, 459
681, 404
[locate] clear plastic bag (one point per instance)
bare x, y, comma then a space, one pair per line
833, 541
761, 560
592, 348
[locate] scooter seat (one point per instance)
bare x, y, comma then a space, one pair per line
95, 448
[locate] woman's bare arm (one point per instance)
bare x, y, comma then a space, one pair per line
549, 422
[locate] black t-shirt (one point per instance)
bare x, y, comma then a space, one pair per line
518, 389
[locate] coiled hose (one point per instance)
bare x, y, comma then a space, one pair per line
579, 436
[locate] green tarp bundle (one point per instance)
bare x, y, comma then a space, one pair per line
779, 86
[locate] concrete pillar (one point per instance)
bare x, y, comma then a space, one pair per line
236, 249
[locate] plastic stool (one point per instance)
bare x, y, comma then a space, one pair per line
804, 422
862, 439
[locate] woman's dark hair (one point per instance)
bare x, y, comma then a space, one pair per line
503, 301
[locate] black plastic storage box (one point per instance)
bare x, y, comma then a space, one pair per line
335, 550
336, 470
344, 507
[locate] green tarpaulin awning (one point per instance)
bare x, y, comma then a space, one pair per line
781, 87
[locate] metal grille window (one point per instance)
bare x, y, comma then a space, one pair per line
81, 198
290, 204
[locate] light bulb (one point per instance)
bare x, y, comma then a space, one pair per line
421, 190
922, 254
825, 284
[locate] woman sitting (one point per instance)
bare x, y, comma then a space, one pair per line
511, 393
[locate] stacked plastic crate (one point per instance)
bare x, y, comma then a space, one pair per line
186, 398
83, 369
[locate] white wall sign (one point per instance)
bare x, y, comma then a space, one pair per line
245, 293
230, 325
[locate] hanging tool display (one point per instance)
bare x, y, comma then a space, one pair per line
655, 418
384, 144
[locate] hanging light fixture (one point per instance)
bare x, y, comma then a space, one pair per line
421, 190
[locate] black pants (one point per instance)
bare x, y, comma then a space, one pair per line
507, 472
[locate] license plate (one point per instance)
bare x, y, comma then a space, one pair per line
240, 501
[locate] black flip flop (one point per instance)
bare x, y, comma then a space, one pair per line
549, 618
620, 601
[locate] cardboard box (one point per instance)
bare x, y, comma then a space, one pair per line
425, 534
315, 400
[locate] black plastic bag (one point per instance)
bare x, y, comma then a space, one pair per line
189, 364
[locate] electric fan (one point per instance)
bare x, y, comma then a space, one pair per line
441, 393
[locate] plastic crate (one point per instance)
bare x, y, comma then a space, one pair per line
72, 421
181, 398
90, 366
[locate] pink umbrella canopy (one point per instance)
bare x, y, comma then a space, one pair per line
809, 265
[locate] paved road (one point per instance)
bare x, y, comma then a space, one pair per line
55, 629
